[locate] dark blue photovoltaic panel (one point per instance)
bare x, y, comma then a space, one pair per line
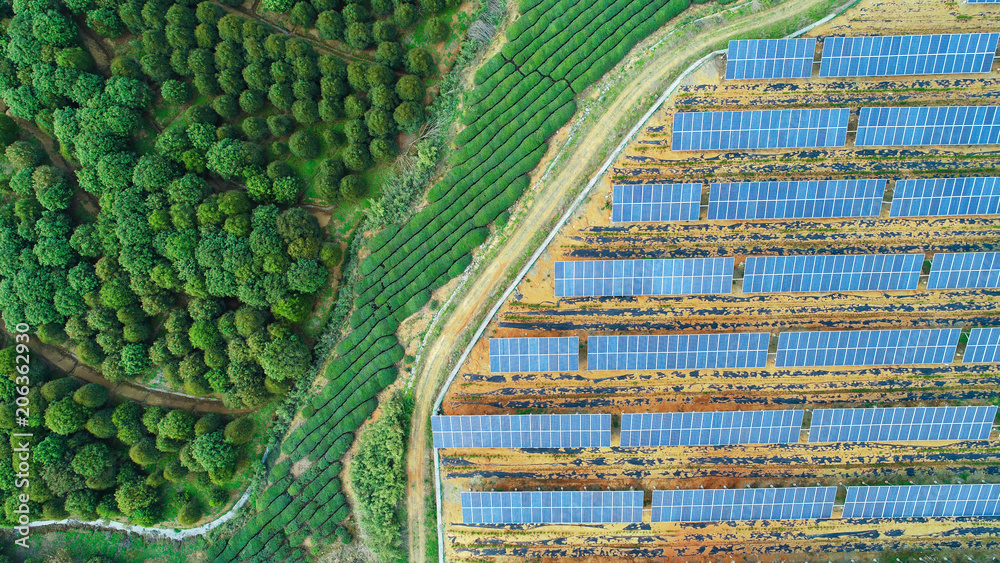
677, 351
552, 507
916, 126
655, 202
909, 424
801, 199
983, 1
619, 278
770, 58
867, 347
760, 129
965, 270
958, 53
534, 355
522, 431
913, 501
983, 346
937, 197
728, 505
862, 272
710, 428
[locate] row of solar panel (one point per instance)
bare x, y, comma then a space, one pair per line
749, 350
806, 199
957, 53
902, 424
827, 127
727, 505
774, 274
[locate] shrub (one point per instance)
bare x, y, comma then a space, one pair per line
91, 395
144, 452
226, 106
190, 513
331, 25
353, 187
280, 125
305, 112
405, 15
359, 36
436, 30
303, 144
255, 128
239, 431
251, 101
175, 92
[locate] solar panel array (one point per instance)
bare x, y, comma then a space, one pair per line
958, 53
863, 272
710, 428
804, 199
913, 126
682, 276
534, 355
552, 507
867, 347
522, 431
760, 129
936, 197
920, 424
983, 346
965, 270
911, 501
726, 505
770, 58
983, 1
677, 351
655, 202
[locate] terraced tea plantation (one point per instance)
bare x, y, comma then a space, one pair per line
774, 323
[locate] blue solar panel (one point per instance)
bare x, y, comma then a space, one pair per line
983, 346
983, 1
937, 197
534, 355
655, 202
677, 351
760, 129
552, 507
710, 428
911, 424
913, 126
522, 431
958, 53
770, 58
965, 270
617, 278
803, 199
727, 505
862, 272
867, 347
913, 501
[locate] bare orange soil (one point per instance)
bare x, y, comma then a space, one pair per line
534, 311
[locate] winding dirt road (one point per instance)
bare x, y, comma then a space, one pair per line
69, 365
574, 168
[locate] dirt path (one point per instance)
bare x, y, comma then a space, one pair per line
68, 364
573, 171
252, 14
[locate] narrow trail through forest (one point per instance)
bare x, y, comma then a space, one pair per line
574, 170
68, 364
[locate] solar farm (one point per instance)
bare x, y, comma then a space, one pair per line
771, 332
